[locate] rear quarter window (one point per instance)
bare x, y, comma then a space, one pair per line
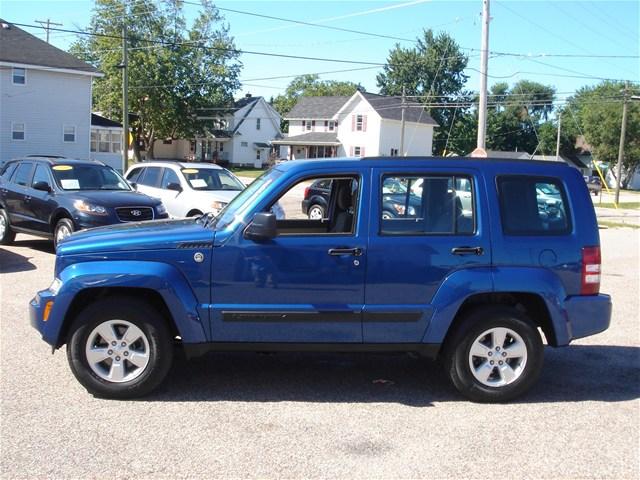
533, 206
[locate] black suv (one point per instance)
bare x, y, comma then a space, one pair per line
394, 202
53, 197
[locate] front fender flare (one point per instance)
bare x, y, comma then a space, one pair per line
190, 321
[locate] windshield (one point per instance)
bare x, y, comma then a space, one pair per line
238, 206
211, 179
88, 177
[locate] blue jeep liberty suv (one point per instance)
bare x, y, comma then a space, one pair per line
483, 261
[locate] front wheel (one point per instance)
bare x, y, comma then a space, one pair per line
120, 349
316, 212
495, 355
62, 230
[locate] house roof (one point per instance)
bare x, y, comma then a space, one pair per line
390, 107
244, 101
508, 155
100, 121
21, 47
311, 138
323, 108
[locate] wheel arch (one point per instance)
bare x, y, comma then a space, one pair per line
59, 214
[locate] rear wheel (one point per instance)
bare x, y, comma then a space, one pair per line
7, 236
120, 348
62, 230
495, 355
194, 213
316, 212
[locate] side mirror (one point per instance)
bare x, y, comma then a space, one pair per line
176, 187
263, 227
42, 186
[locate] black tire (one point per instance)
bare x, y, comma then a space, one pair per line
8, 236
63, 223
317, 207
475, 323
143, 316
194, 213
387, 214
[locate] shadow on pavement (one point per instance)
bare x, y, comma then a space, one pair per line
43, 245
11, 262
573, 374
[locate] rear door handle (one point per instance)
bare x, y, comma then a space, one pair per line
27, 198
467, 251
356, 252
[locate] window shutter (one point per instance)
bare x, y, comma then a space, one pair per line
303, 124
353, 123
364, 123
362, 148
351, 151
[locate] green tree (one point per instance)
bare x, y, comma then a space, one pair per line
598, 110
432, 72
174, 69
310, 85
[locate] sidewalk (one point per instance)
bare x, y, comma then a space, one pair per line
620, 215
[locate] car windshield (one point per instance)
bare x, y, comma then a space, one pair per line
238, 206
88, 177
392, 186
211, 179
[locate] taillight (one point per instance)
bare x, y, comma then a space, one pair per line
590, 284
306, 192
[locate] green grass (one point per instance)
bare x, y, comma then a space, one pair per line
247, 172
627, 205
610, 224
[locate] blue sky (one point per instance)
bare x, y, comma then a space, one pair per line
523, 27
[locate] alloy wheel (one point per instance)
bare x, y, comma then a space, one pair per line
497, 357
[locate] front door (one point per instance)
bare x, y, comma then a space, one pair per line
306, 284
424, 226
17, 196
41, 204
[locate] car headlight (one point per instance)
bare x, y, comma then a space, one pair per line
161, 209
216, 207
400, 209
54, 288
89, 208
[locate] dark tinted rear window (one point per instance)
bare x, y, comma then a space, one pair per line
7, 170
533, 206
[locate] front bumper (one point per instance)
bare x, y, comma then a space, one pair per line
37, 307
588, 314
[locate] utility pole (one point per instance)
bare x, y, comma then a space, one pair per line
484, 60
125, 98
623, 131
558, 140
402, 123
49, 25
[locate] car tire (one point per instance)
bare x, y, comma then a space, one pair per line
495, 355
386, 214
194, 213
64, 227
117, 376
316, 212
7, 235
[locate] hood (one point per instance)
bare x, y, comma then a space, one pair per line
115, 198
152, 235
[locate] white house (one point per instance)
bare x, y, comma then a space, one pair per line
364, 124
106, 141
45, 98
241, 135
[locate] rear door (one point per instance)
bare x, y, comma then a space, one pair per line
425, 225
42, 204
16, 196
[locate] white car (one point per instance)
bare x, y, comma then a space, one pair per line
186, 189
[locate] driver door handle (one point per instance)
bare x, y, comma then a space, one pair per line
467, 251
356, 252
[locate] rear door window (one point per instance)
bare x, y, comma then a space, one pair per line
151, 177
533, 206
8, 170
23, 174
426, 205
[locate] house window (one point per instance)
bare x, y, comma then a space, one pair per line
257, 124
17, 131
167, 141
244, 144
356, 151
332, 126
19, 76
394, 152
360, 123
69, 133
103, 142
116, 142
259, 155
308, 125
94, 141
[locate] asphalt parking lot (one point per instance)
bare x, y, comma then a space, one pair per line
321, 415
